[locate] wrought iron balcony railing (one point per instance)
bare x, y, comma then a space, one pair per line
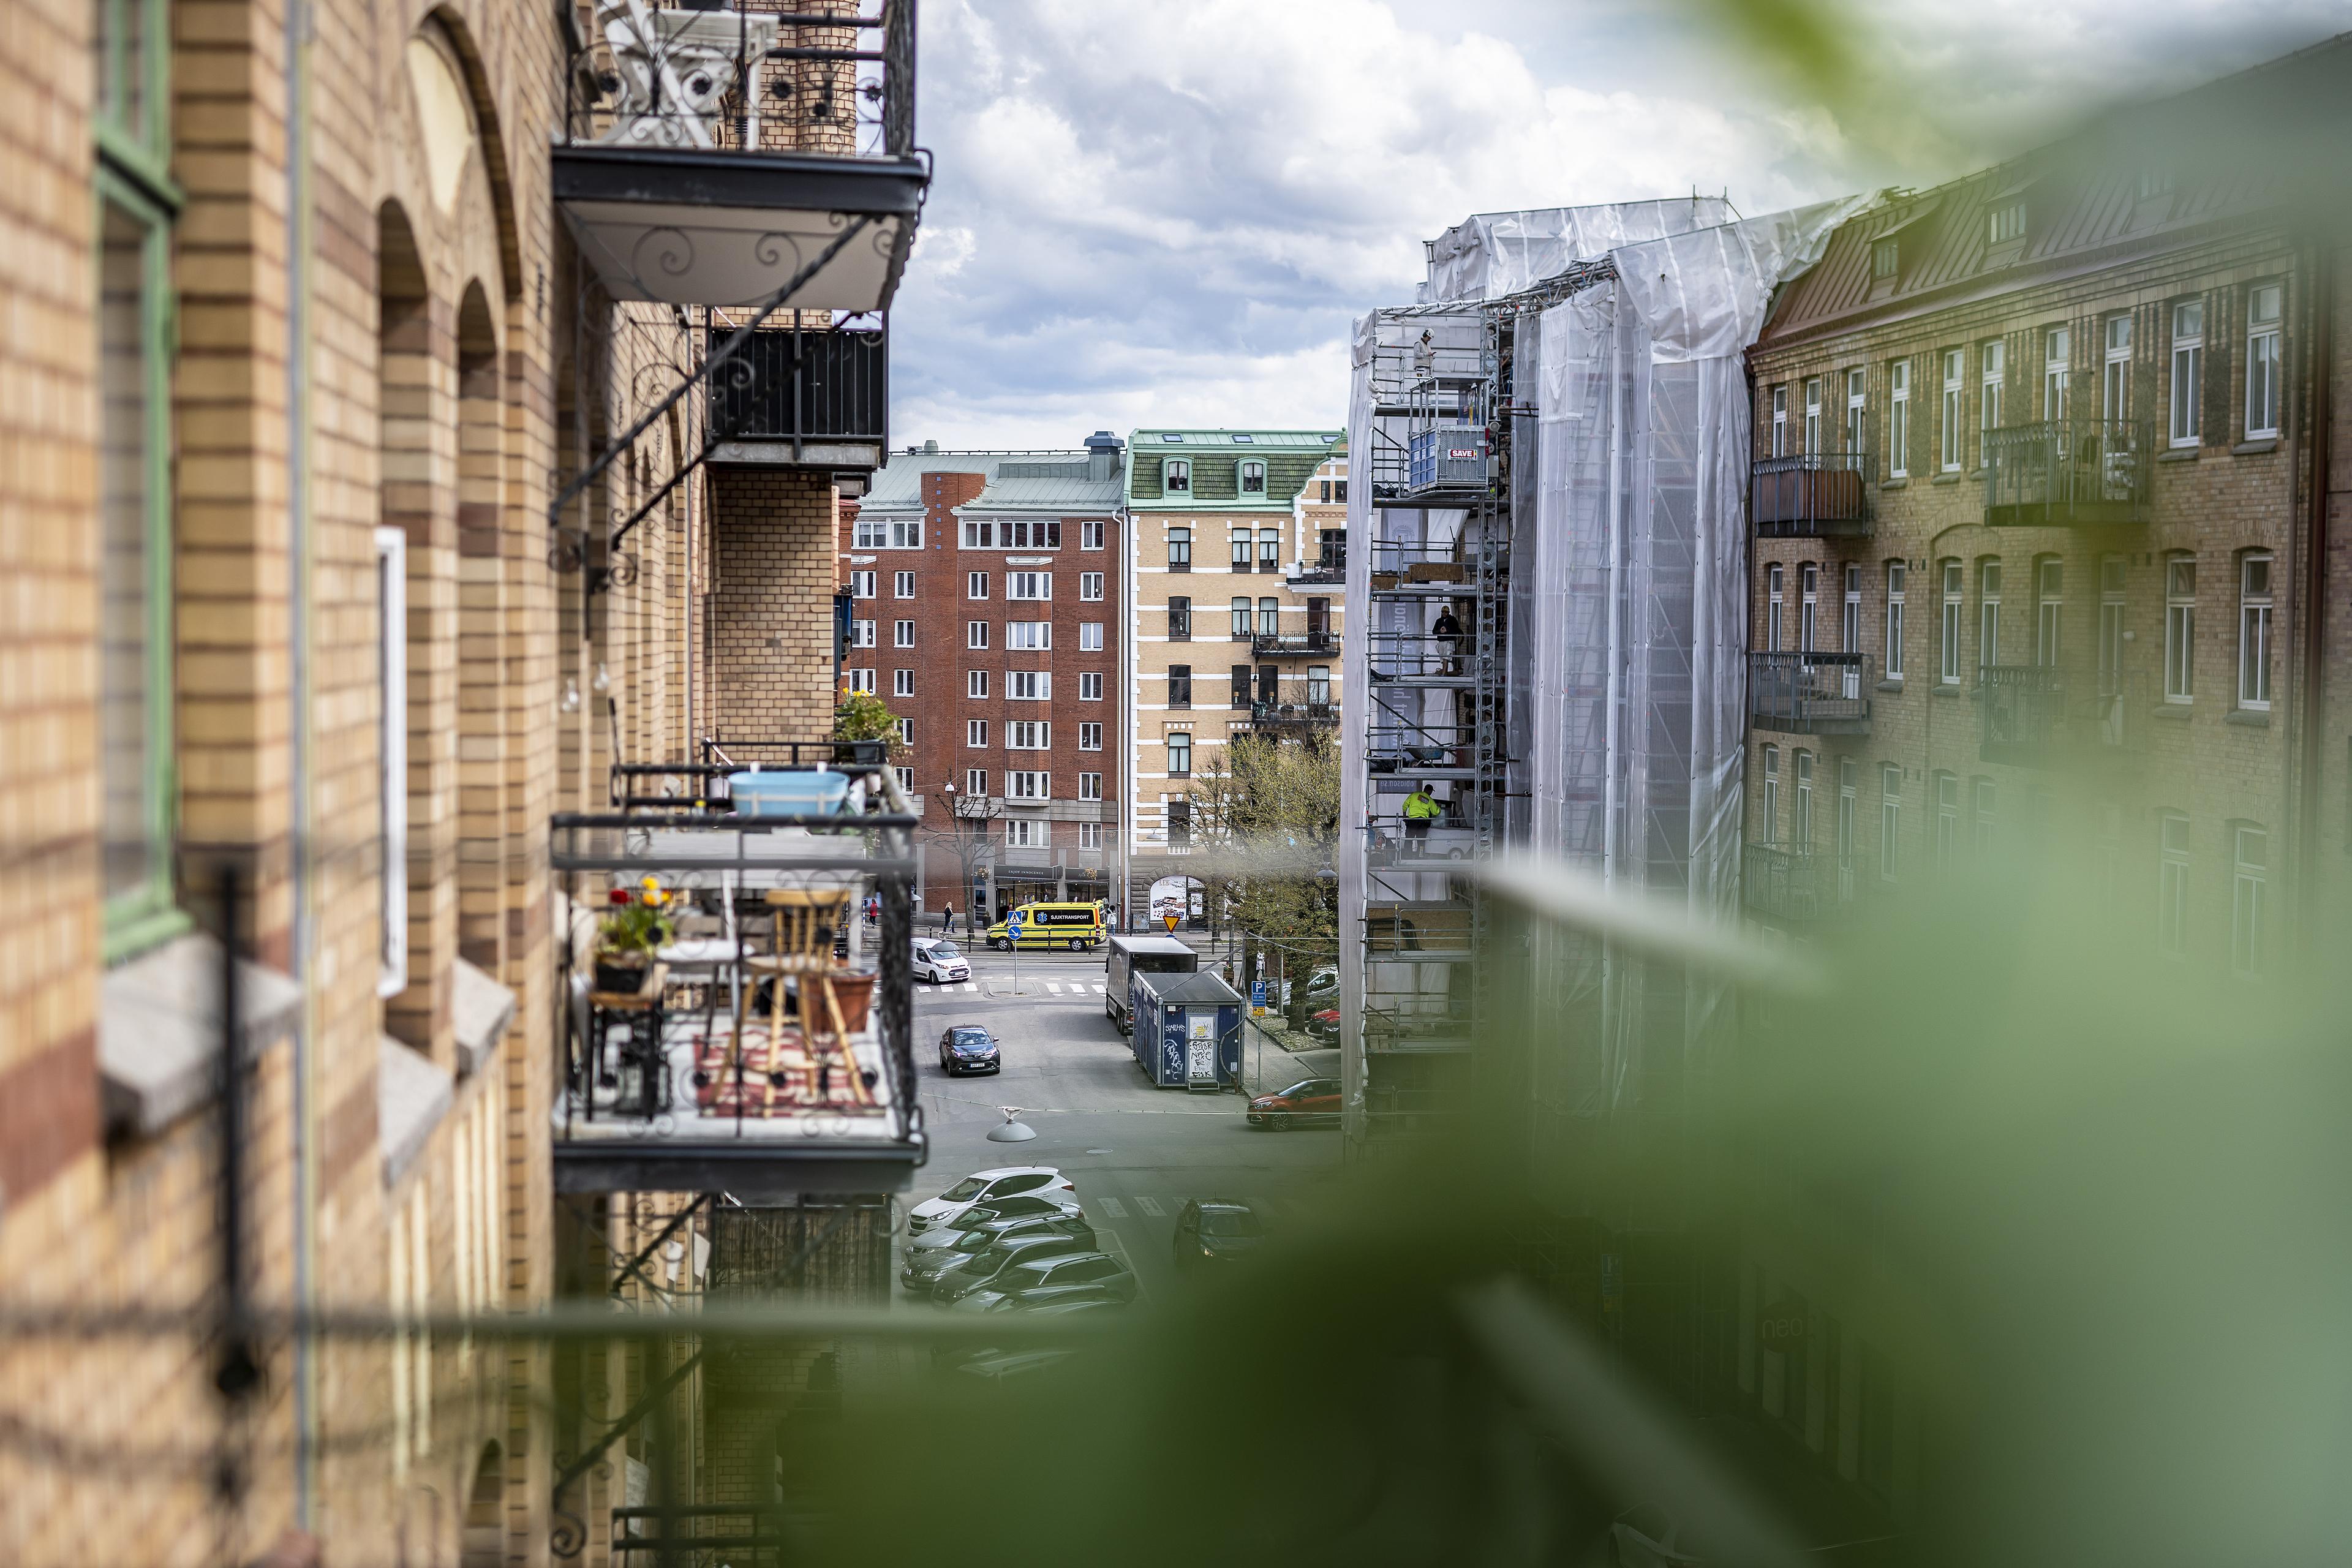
793, 386
1809, 493
1799, 887
1297, 645
2084, 473
2042, 716
1810, 693
1320, 573
1399, 566
1295, 704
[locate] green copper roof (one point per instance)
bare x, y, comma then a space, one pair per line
1216, 459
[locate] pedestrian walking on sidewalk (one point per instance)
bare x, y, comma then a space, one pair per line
947, 918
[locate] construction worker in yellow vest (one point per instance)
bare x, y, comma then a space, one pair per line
1420, 809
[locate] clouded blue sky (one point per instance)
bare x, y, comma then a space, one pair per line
1147, 210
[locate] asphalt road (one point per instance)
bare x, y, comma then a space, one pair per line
1135, 1153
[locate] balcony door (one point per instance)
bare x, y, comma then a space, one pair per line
1318, 622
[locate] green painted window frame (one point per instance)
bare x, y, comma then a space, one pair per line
143, 918
141, 152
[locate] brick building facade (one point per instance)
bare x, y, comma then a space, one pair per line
986, 603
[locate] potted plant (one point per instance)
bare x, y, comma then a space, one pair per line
635, 927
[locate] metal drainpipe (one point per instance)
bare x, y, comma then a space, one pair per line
297, 43
2321, 434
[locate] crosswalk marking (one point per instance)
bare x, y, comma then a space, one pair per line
1151, 1206
1055, 986
1112, 1207
1098, 990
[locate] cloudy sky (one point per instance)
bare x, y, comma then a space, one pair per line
1170, 210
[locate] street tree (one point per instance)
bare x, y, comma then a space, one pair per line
1265, 816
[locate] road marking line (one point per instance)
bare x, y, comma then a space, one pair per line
1112, 1207
1055, 986
1098, 990
1151, 1206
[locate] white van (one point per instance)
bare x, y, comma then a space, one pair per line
938, 961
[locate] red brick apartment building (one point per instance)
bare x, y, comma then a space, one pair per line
985, 610
2043, 496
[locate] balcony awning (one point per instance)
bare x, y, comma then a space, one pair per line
686, 226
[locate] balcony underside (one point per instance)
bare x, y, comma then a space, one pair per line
751, 1173
1836, 717
694, 227
2067, 514
1813, 528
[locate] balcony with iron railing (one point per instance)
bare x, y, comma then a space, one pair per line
1294, 705
712, 1037
2083, 473
1296, 644
1805, 494
743, 158
1323, 573
2044, 716
1800, 887
799, 396
1810, 693
1421, 568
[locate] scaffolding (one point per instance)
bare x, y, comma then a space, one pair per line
1550, 549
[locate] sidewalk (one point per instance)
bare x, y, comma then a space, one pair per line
1276, 1059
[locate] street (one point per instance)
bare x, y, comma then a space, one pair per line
1135, 1153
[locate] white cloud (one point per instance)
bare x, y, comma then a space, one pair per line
1172, 213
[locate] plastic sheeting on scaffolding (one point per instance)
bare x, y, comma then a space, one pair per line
1627, 610
1490, 256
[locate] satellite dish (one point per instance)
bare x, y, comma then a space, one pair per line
1012, 1131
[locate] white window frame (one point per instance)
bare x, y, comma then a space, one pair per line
1176, 478
1850, 615
907, 534
1949, 456
975, 683
2186, 427
861, 584
1090, 585
1781, 421
975, 734
1090, 686
1897, 573
1090, 636
2049, 610
1030, 587
906, 732
1090, 834
1090, 533
1948, 821
2266, 305
1028, 735
1947, 669
1890, 820
1809, 605
1028, 686
1768, 802
1858, 410
902, 634
1252, 477
1090, 788
2248, 899
392, 760
1269, 618
862, 679
2257, 580
975, 783
861, 634
1898, 419
1980, 817
902, 584
1029, 637
868, 533
2111, 624
1028, 785
1775, 604
1992, 361
1801, 829
975, 634
902, 683
979, 534
1812, 416
975, 584
1090, 736
1026, 833
2179, 628
2114, 368
2057, 372
2172, 885
2006, 222
1988, 614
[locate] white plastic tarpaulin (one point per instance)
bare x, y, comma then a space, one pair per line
1490, 256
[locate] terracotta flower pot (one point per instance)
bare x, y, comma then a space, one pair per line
854, 995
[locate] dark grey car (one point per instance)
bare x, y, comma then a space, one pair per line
975, 1272
926, 1264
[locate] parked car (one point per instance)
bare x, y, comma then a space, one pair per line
990, 1186
1216, 1230
1324, 1025
1000, 1364
967, 1048
1058, 1299
1311, 1101
1077, 1268
975, 1271
1323, 985
925, 1264
1020, 1206
940, 961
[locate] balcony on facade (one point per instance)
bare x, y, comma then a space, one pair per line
1403, 570
1323, 573
1800, 887
816, 398
2082, 473
1294, 705
743, 159
1295, 645
1408, 1020
1810, 693
746, 1056
1423, 931
1807, 494
2043, 716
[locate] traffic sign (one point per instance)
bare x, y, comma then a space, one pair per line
1169, 921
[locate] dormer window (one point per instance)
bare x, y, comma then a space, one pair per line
1180, 477
1174, 437
1253, 479
2008, 223
1243, 438
1886, 257
2155, 181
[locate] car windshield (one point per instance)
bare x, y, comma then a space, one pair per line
972, 1039
1307, 1087
964, 1191
974, 1241
1230, 1221
945, 950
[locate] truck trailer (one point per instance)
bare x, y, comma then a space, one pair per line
1129, 957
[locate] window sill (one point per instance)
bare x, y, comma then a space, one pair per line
1890, 686
2177, 712
158, 1038
1945, 689
2254, 447
2178, 455
2252, 718
1903, 483
1951, 478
